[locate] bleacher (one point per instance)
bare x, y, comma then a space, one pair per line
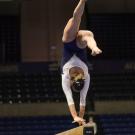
40, 125
114, 34
113, 87
112, 124
30, 88
46, 87
118, 124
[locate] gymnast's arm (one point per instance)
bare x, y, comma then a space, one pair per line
83, 94
73, 24
68, 94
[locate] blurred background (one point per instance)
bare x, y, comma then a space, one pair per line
31, 98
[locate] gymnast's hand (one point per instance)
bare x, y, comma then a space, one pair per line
95, 51
79, 120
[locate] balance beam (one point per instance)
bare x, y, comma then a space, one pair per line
74, 131
87, 129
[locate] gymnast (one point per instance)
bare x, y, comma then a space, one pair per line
75, 75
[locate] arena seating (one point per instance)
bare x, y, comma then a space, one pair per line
111, 124
113, 86
114, 33
25, 87
118, 124
46, 87
34, 125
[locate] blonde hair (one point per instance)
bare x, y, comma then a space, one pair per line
79, 76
